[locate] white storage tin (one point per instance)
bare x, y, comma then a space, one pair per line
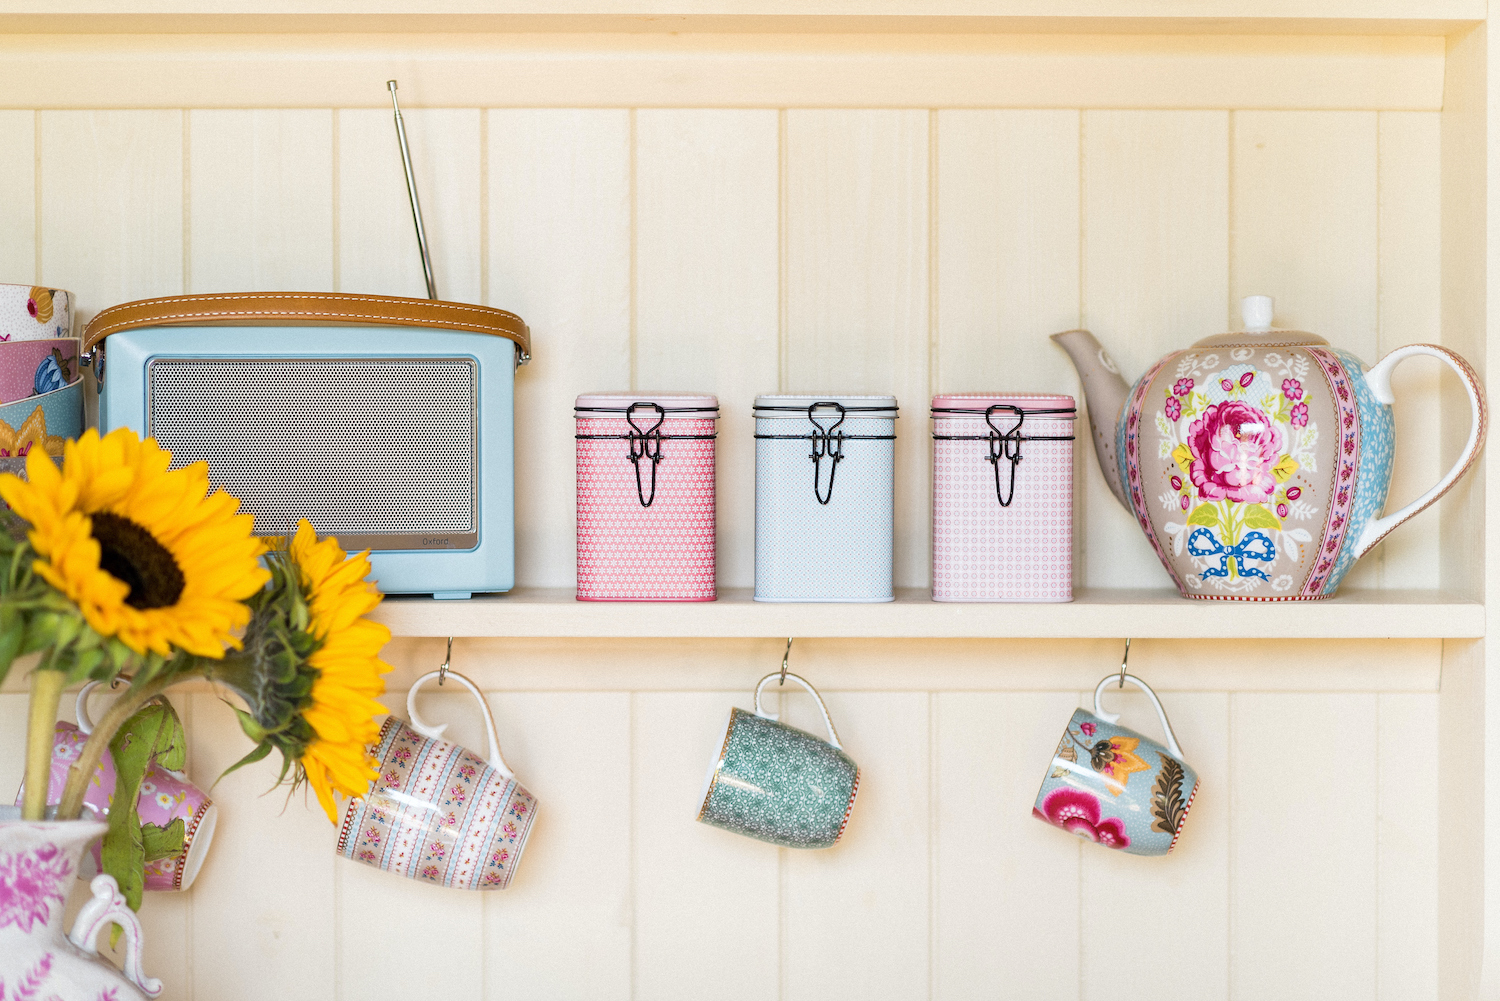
1002, 497
646, 496
824, 497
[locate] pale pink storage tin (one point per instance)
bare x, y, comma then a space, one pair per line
1002, 497
646, 496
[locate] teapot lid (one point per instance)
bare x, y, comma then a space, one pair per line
1256, 311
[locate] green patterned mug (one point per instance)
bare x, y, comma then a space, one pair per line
779, 784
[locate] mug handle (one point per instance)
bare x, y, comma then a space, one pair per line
833, 737
1379, 381
435, 731
1115, 717
81, 707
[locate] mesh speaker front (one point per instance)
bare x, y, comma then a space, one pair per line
359, 446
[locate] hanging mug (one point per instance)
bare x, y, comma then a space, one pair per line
1117, 787
779, 784
165, 796
439, 813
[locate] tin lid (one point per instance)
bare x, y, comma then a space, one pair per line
694, 406
796, 404
1050, 405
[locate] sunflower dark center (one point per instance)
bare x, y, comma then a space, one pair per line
130, 554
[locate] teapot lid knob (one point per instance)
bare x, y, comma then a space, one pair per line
1257, 311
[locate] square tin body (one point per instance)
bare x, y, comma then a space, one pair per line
824, 498
1002, 497
646, 496
398, 441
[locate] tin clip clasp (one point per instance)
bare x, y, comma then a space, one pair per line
1005, 445
645, 443
827, 442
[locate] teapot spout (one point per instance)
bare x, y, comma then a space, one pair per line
1105, 392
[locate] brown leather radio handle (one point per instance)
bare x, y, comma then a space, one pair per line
306, 309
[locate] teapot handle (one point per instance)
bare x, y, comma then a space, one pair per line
1379, 380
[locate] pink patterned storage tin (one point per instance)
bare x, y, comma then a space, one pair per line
646, 496
1002, 497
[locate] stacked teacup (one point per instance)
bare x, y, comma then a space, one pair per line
41, 384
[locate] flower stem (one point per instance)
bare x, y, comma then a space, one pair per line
46, 692
82, 769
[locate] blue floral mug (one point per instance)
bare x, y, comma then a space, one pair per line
1116, 787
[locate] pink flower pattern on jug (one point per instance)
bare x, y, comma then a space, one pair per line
1173, 408
1291, 389
30, 881
1183, 387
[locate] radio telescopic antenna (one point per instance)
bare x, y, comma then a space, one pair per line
411, 191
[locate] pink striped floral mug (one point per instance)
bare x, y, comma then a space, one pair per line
439, 813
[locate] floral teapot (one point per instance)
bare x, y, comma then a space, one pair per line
1257, 462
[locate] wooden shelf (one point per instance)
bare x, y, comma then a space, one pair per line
545, 612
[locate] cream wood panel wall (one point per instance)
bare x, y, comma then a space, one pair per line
1308, 869
740, 251
748, 251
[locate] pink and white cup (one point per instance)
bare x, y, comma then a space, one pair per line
165, 796
439, 813
34, 313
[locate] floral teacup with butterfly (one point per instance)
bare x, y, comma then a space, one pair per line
1113, 786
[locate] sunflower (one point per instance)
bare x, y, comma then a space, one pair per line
312, 669
146, 553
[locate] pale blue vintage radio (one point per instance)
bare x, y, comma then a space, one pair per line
386, 422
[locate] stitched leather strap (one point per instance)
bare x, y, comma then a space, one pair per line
306, 309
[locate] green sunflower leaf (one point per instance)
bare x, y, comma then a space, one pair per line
163, 842
259, 752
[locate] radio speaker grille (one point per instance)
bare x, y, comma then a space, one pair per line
360, 447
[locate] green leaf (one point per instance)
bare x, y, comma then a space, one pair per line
163, 842
260, 751
151, 731
1206, 515
12, 635
1260, 516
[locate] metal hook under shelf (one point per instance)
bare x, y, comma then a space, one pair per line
784, 658
1123, 661
447, 659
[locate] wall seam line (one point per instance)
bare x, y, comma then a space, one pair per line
1229, 853
1229, 179
335, 232
934, 943
781, 251
484, 205
934, 345
36, 195
634, 266
187, 201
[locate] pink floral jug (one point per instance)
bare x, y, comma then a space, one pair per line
38, 868
1257, 462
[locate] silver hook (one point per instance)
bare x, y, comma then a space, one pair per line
447, 659
1123, 661
784, 657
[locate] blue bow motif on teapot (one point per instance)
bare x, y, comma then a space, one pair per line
1254, 546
